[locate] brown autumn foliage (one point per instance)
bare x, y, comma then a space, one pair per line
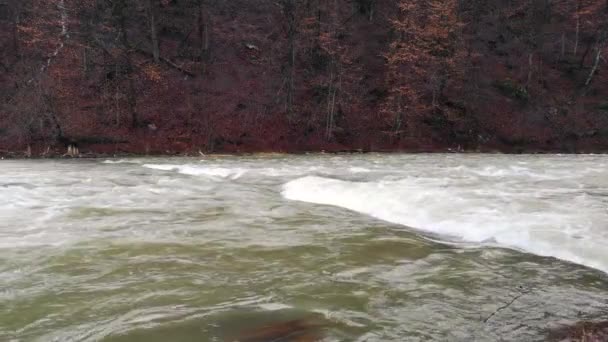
421, 59
151, 76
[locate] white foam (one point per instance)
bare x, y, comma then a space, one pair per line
547, 222
274, 306
226, 172
359, 170
121, 161
199, 170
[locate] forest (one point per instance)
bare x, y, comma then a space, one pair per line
190, 76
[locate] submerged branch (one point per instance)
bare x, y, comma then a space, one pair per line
519, 295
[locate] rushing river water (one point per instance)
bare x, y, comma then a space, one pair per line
380, 247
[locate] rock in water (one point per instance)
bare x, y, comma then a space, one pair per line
299, 330
581, 332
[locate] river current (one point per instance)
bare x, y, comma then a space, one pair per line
380, 247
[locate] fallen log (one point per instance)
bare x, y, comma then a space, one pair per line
167, 62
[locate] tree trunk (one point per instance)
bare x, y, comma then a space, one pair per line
131, 96
399, 117
15, 16
153, 32
329, 119
203, 33
578, 26
85, 62
289, 8
530, 59
563, 50
49, 104
540, 70
598, 34
598, 57
319, 18
116, 98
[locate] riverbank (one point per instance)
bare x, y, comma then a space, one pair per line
72, 152
496, 91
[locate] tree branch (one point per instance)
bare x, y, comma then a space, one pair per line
519, 295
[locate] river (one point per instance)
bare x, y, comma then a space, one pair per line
381, 247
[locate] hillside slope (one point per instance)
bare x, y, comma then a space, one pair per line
168, 76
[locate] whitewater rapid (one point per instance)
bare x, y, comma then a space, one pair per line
534, 206
555, 206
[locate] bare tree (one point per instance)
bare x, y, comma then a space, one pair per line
12, 10
599, 47
204, 19
119, 13
150, 11
578, 26
289, 11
